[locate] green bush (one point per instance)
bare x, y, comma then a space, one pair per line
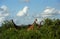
49, 30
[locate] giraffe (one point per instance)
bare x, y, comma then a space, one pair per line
40, 25
31, 27
17, 27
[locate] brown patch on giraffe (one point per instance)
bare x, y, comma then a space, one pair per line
30, 28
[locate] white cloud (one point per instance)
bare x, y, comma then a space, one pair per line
4, 7
23, 11
50, 12
3, 13
1, 19
59, 12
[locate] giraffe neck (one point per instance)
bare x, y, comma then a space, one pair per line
14, 23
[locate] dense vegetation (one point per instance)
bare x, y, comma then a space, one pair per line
49, 30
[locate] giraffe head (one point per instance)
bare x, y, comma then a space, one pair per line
35, 21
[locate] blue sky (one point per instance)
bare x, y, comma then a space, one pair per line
29, 8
